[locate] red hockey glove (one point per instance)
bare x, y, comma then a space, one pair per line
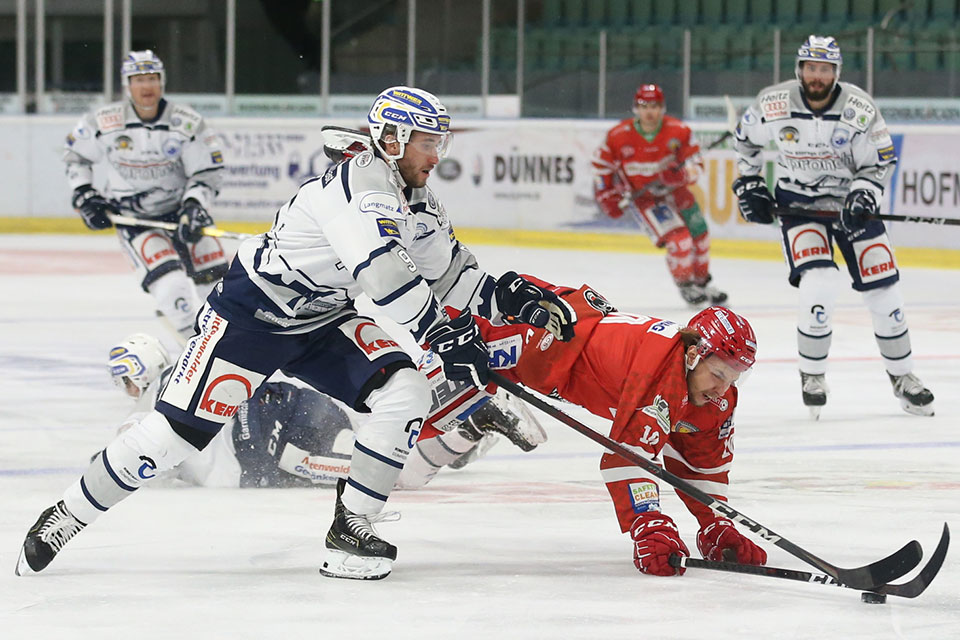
609, 202
720, 535
656, 538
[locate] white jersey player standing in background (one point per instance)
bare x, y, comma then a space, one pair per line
163, 164
834, 154
367, 226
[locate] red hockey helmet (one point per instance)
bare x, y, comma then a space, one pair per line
648, 93
726, 335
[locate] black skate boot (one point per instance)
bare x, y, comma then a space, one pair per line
714, 295
814, 388
503, 415
914, 397
353, 548
46, 537
693, 294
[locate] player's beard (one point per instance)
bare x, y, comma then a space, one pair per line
821, 92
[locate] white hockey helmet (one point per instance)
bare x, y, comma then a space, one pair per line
820, 49
138, 359
138, 63
403, 110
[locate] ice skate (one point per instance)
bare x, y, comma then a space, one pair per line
914, 397
693, 294
714, 295
815, 389
354, 550
46, 538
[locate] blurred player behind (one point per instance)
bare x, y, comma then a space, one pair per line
645, 165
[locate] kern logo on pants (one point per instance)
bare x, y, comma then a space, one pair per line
227, 387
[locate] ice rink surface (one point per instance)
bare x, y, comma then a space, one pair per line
514, 545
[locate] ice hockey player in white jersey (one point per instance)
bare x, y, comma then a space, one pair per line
834, 153
287, 435
369, 225
163, 163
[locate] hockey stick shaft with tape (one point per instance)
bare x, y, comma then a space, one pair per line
889, 217
130, 221
866, 577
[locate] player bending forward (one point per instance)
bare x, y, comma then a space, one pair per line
369, 225
290, 436
669, 391
645, 165
834, 154
162, 164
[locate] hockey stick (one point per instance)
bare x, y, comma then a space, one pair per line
909, 589
864, 578
833, 215
129, 221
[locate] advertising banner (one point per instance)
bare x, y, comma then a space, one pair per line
506, 174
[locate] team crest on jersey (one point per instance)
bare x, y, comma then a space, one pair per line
171, 147
659, 410
790, 134
685, 427
841, 136
123, 143
598, 302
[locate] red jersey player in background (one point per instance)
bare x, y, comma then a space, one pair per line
645, 165
669, 391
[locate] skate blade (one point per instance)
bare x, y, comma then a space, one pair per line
338, 564
23, 567
916, 409
814, 412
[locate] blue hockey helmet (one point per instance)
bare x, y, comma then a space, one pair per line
820, 49
402, 110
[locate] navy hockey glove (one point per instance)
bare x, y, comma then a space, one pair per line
859, 206
462, 350
93, 207
754, 199
191, 219
522, 302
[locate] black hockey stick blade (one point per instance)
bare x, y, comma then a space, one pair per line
915, 586
909, 589
864, 578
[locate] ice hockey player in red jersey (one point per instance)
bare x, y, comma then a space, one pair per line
645, 166
669, 391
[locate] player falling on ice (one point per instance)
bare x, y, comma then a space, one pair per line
369, 225
164, 164
645, 166
668, 390
834, 153
288, 435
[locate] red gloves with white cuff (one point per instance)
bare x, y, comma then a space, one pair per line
718, 536
656, 538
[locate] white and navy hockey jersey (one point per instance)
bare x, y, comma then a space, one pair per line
151, 166
823, 155
354, 230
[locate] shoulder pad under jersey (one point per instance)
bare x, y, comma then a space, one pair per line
109, 117
857, 107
